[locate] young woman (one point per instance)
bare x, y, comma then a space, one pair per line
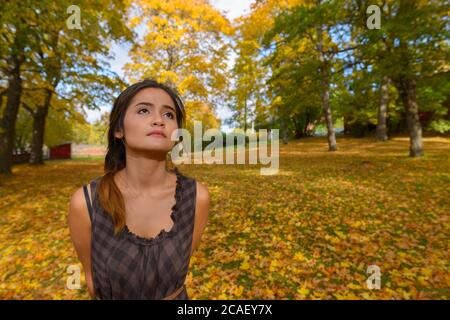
135, 228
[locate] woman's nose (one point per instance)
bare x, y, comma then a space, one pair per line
157, 120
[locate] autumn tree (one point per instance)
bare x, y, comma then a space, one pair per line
62, 61
314, 31
410, 47
184, 45
14, 40
253, 95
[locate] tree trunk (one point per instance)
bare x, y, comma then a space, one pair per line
382, 109
327, 113
245, 115
9, 117
39, 117
284, 129
53, 73
407, 88
406, 84
324, 71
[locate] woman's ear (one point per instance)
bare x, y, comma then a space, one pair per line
118, 134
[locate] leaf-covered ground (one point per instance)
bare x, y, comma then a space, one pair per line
309, 232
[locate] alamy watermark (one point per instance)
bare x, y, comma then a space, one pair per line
374, 20
213, 153
374, 280
74, 20
74, 279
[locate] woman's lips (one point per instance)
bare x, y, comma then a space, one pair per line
158, 135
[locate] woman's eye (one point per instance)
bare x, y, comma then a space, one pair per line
171, 116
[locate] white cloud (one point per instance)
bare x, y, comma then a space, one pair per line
233, 8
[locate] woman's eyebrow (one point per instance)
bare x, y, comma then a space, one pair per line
152, 105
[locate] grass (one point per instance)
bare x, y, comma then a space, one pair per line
309, 232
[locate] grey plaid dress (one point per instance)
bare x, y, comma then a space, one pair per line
127, 266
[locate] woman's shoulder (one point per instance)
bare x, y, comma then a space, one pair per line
201, 188
203, 195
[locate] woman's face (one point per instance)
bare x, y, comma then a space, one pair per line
150, 110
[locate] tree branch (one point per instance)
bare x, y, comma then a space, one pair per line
28, 108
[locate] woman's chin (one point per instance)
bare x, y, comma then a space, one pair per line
163, 148
152, 148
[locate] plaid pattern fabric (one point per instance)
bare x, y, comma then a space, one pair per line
127, 266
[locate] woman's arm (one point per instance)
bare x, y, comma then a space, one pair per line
80, 232
203, 200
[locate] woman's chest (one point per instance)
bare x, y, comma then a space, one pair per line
148, 216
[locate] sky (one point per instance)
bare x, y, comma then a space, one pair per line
231, 8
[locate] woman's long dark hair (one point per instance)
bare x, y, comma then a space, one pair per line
109, 194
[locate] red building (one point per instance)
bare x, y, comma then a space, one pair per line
62, 151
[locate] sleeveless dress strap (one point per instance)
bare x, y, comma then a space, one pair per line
88, 201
